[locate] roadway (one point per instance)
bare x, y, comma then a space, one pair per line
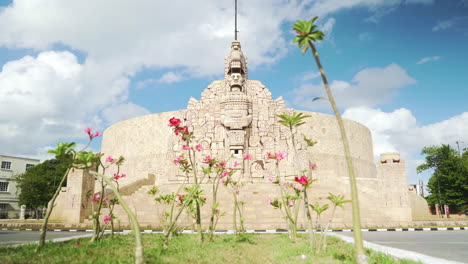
450, 245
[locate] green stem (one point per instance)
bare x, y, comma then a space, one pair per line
139, 259
358, 244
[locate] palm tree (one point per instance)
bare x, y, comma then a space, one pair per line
62, 150
307, 35
337, 201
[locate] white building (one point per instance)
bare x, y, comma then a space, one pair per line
10, 166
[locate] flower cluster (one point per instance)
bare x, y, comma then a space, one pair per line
107, 218
111, 160
182, 130
117, 177
246, 156
89, 131
276, 156
181, 160
302, 180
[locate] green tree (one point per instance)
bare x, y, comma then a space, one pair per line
38, 184
449, 181
307, 35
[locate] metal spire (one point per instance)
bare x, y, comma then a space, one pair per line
235, 20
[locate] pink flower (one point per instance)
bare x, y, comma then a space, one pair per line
223, 181
198, 147
185, 147
174, 122
280, 156
96, 197
110, 159
312, 166
105, 200
269, 201
116, 176
222, 164
246, 156
180, 159
270, 155
225, 174
89, 131
302, 180
236, 163
107, 219
97, 134
207, 159
180, 197
290, 203
271, 179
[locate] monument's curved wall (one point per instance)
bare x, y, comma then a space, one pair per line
149, 147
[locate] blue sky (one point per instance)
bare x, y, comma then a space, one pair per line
398, 66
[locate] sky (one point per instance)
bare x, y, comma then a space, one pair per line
400, 67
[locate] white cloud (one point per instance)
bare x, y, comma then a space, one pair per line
450, 23
116, 113
52, 96
427, 59
399, 131
365, 36
423, 2
369, 87
307, 76
171, 77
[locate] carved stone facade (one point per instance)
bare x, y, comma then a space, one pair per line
235, 116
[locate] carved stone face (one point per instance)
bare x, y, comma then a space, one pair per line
236, 81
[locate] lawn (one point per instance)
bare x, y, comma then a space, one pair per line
248, 248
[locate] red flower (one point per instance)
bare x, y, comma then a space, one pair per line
174, 122
78, 244
302, 180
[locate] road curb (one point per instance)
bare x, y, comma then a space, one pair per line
399, 253
260, 231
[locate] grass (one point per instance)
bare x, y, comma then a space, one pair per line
248, 248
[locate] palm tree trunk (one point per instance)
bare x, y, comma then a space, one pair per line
359, 247
50, 207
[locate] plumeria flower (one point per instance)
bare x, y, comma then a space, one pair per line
180, 159
89, 131
185, 147
207, 159
198, 148
312, 166
174, 122
96, 197
246, 156
302, 180
107, 219
280, 156
110, 159
116, 176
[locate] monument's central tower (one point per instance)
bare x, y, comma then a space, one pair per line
237, 115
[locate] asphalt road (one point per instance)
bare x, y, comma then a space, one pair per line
450, 245
12, 237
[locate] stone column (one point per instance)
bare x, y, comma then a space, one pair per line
22, 212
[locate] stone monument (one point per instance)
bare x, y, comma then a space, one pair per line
236, 116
